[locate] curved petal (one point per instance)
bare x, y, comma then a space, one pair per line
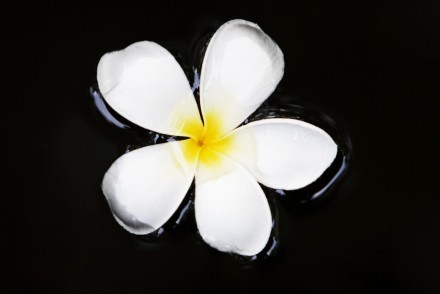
241, 68
282, 153
145, 187
231, 209
146, 85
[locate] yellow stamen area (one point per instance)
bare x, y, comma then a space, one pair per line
206, 140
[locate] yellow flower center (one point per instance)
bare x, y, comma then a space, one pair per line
206, 140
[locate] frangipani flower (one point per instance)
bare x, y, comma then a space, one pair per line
241, 68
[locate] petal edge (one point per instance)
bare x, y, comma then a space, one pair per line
140, 197
232, 212
241, 68
283, 153
145, 84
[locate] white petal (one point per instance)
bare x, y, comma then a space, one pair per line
145, 187
283, 153
231, 209
146, 85
241, 68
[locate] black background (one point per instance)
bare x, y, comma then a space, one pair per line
373, 67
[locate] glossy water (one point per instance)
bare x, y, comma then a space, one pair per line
278, 105
372, 66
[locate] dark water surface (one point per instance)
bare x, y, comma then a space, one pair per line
367, 74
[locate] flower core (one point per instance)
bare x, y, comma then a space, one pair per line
206, 140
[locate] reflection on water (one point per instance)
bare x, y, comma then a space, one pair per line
280, 201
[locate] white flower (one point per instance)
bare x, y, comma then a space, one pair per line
241, 68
